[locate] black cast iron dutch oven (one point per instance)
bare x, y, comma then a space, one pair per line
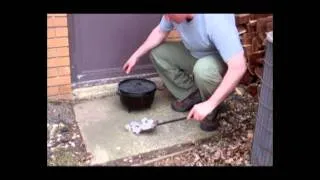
136, 93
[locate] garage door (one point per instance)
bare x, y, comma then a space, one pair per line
101, 43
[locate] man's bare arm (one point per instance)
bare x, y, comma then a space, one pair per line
236, 69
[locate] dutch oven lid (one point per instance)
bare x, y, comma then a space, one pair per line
136, 86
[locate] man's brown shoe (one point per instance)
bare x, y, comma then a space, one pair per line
187, 103
210, 123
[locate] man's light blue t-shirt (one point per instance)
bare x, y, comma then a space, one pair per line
208, 34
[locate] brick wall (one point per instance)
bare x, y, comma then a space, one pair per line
58, 59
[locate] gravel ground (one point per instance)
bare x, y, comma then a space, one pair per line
64, 142
232, 146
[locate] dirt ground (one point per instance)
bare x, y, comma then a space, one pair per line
232, 147
64, 141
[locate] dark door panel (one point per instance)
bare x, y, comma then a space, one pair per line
101, 43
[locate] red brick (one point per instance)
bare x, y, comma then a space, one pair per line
242, 19
61, 32
52, 72
51, 32
63, 51
51, 52
50, 22
251, 27
57, 42
51, 91
57, 62
61, 80
247, 38
58, 52
62, 71
257, 55
269, 26
262, 23
247, 50
60, 21
241, 29
64, 89
258, 16
61, 97
59, 15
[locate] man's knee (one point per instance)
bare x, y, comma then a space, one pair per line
159, 51
204, 71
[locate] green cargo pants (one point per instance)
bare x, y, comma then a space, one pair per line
183, 74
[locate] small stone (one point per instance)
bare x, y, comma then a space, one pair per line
66, 146
125, 159
90, 156
229, 161
64, 129
250, 135
64, 139
59, 135
217, 155
205, 146
74, 136
224, 123
228, 153
130, 161
72, 144
61, 125
223, 114
118, 148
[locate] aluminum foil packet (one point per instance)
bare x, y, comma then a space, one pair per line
144, 124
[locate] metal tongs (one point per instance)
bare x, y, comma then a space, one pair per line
147, 125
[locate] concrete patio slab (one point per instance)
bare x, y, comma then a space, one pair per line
101, 122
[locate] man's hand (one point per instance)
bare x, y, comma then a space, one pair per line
201, 110
154, 39
129, 64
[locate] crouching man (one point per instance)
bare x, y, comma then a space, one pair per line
202, 69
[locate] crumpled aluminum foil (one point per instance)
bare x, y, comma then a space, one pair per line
144, 124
